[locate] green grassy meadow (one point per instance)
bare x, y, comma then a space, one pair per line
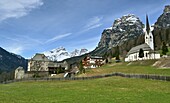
104, 90
139, 67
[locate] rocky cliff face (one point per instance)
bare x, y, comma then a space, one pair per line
10, 61
125, 28
123, 33
162, 28
163, 21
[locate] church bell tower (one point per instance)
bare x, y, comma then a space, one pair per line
148, 35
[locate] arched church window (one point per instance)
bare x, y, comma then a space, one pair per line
150, 37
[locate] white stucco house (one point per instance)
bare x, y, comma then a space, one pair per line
147, 47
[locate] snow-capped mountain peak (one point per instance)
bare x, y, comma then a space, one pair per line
124, 28
61, 53
76, 52
83, 51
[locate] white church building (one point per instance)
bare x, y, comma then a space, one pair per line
147, 47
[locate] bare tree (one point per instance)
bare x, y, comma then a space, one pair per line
37, 68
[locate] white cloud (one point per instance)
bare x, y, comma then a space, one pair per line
90, 40
15, 48
17, 8
19, 44
58, 37
94, 26
92, 23
22, 39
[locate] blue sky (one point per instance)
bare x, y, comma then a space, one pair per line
34, 26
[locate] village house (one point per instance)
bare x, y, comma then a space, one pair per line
147, 47
44, 67
19, 73
92, 62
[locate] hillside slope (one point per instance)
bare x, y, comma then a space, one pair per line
10, 61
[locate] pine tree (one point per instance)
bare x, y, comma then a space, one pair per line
81, 67
167, 34
141, 53
164, 48
117, 53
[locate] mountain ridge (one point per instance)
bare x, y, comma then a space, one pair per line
10, 61
61, 53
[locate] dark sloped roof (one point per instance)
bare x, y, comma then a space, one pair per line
54, 64
40, 57
135, 49
96, 57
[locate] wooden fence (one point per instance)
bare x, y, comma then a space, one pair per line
140, 76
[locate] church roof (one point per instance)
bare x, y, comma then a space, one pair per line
135, 49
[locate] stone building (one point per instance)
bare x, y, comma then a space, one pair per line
38, 63
19, 73
44, 67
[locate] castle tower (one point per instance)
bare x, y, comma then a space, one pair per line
148, 35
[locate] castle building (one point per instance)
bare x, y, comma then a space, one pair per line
147, 47
41, 64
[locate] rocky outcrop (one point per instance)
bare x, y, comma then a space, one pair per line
162, 28
124, 32
125, 28
163, 21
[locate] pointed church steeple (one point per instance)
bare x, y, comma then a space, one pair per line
149, 35
147, 24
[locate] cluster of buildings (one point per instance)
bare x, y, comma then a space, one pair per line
40, 65
44, 67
